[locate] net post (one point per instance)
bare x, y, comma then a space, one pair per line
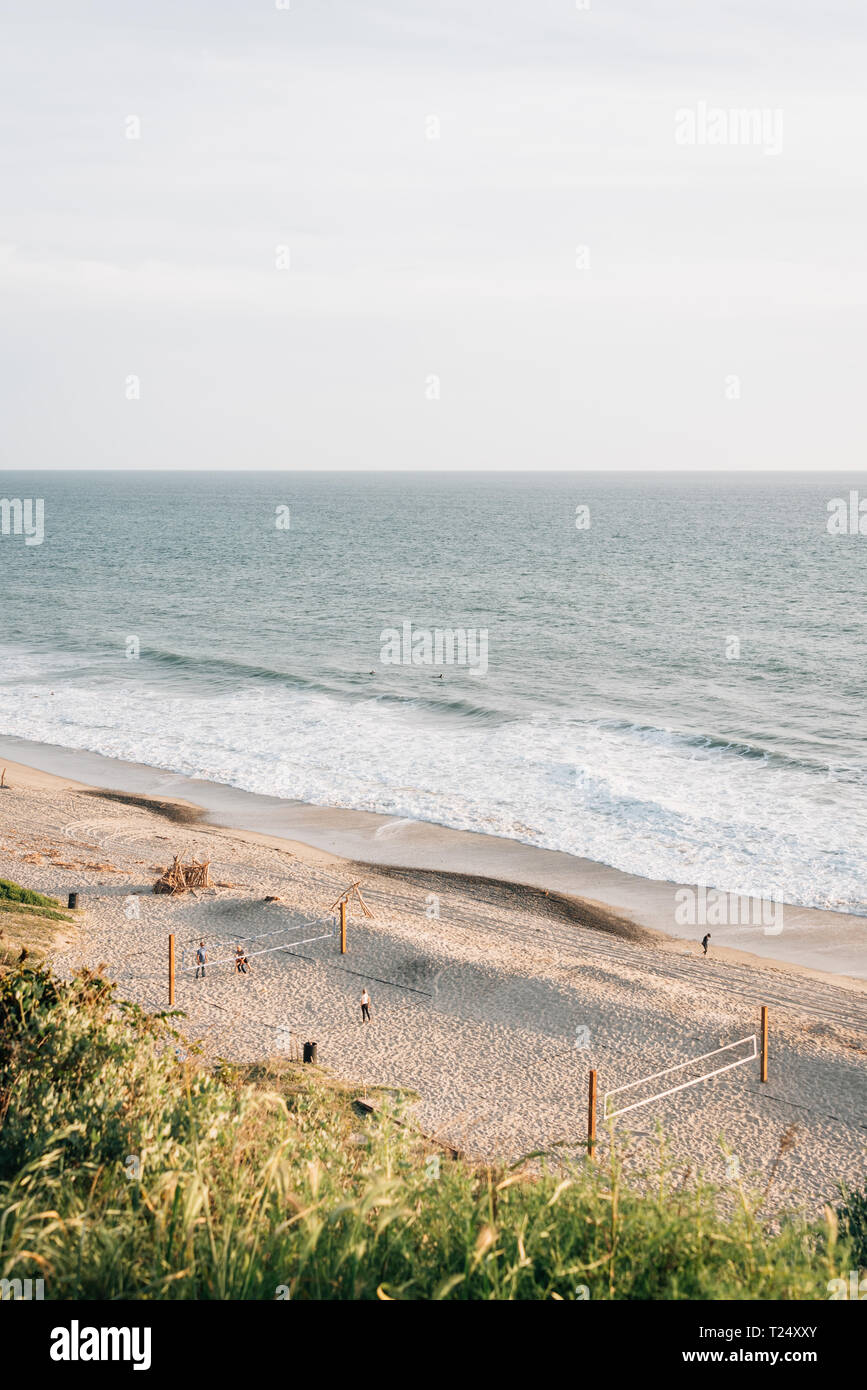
343, 927
764, 1067
171, 969
591, 1115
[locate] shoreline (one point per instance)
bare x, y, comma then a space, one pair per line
490, 999
605, 898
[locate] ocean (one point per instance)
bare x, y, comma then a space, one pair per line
670, 681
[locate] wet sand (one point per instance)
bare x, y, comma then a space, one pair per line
831, 942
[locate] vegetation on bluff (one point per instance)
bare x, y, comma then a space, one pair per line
130, 1169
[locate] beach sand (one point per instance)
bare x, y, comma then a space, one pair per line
491, 1000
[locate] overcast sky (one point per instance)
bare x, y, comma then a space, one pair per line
502, 250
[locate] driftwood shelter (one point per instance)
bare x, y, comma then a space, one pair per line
180, 878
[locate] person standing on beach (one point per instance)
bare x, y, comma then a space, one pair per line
240, 961
201, 958
704, 941
365, 1006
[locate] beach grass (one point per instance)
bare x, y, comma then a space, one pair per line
28, 923
13, 893
129, 1169
853, 1222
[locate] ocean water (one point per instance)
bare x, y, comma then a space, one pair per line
677, 690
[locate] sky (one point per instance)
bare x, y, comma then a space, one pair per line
494, 234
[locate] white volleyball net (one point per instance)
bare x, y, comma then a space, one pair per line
610, 1112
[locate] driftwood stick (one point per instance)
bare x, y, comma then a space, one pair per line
344, 894
366, 909
344, 897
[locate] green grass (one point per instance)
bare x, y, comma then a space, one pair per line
33, 912
27, 924
13, 893
853, 1222
126, 1172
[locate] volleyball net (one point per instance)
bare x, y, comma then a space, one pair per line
609, 1113
289, 942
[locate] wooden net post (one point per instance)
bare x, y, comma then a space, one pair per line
591, 1115
171, 970
343, 927
764, 1075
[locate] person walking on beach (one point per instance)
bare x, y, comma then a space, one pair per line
201, 958
365, 1006
704, 941
240, 961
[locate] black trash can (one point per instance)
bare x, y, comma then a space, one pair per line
73, 900
310, 1052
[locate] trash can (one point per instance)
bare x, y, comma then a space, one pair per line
310, 1052
73, 900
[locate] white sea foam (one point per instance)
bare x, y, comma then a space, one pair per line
643, 800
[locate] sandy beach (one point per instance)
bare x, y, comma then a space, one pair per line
833, 943
490, 1000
